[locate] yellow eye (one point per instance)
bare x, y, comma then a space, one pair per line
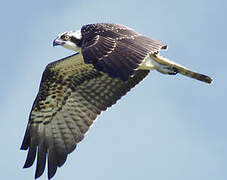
66, 37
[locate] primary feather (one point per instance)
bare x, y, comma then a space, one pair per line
70, 97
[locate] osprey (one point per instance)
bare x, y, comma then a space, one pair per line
120, 51
111, 60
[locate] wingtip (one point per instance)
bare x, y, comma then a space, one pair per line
164, 47
27, 165
37, 175
24, 147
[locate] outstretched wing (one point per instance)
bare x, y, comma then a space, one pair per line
116, 49
70, 97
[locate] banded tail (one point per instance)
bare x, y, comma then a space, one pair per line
178, 68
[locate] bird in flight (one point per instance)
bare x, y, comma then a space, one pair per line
111, 59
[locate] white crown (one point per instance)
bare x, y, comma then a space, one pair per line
76, 34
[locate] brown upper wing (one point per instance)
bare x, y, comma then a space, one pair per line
116, 49
70, 97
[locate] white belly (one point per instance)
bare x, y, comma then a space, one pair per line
150, 64
147, 64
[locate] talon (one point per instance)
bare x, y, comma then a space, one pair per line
174, 71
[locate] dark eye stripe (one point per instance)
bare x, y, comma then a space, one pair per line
78, 42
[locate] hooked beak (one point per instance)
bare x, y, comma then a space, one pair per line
57, 42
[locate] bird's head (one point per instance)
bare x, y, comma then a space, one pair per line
70, 40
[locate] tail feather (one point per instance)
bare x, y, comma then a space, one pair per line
180, 69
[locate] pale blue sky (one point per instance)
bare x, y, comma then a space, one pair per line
168, 127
